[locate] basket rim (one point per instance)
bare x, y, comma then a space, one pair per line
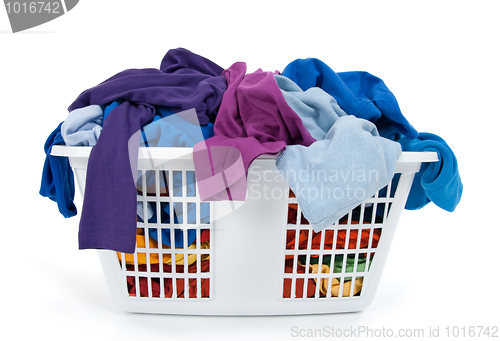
187, 153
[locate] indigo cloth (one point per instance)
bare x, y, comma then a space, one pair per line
58, 182
184, 81
174, 130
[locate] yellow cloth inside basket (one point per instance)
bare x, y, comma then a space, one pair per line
154, 255
335, 286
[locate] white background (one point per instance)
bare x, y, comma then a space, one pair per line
440, 59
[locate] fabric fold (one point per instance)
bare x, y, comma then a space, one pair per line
359, 93
184, 81
83, 126
437, 182
333, 176
58, 182
255, 119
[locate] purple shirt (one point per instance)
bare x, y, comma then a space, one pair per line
184, 81
254, 119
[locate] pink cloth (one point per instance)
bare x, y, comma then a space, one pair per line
253, 119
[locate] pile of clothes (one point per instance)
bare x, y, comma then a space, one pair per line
317, 119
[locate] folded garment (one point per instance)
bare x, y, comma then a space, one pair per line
83, 126
58, 183
358, 93
254, 119
184, 81
333, 176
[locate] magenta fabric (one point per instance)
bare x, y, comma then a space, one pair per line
254, 119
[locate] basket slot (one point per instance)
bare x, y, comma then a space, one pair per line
336, 260
171, 261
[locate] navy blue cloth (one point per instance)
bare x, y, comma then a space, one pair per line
358, 93
164, 218
57, 177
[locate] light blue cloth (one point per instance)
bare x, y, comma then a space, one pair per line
83, 126
186, 127
333, 176
317, 109
174, 130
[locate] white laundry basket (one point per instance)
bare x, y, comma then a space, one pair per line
257, 257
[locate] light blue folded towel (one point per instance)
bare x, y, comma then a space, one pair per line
334, 175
